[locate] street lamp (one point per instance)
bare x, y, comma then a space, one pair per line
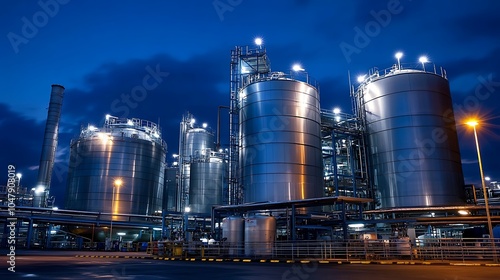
116, 184
474, 123
423, 60
398, 56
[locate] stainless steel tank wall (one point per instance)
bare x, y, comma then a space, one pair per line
280, 156
197, 139
206, 185
95, 164
232, 233
415, 157
260, 234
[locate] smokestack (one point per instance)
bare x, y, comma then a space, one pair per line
49, 147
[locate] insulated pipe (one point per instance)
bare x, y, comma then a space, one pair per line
49, 147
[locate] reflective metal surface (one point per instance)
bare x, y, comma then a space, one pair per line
49, 145
206, 182
131, 151
260, 233
412, 134
280, 157
194, 142
232, 232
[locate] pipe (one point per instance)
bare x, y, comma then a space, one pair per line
49, 146
218, 125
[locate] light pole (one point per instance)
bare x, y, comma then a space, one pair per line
474, 123
398, 56
423, 60
116, 184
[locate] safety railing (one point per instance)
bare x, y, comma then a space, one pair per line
391, 249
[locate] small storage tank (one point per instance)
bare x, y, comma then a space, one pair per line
232, 232
128, 149
260, 234
280, 156
410, 126
206, 184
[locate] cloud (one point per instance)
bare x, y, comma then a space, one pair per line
21, 144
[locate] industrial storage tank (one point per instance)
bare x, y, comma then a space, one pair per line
207, 178
260, 234
131, 150
410, 127
193, 142
279, 126
232, 234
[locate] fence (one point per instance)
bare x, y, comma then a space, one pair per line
393, 249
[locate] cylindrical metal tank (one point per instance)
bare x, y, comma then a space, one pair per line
206, 185
131, 150
197, 140
410, 126
193, 143
260, 234
232, 233
280, 156
49, 146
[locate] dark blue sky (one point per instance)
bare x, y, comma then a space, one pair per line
101, 50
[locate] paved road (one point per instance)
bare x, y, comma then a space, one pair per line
70, 267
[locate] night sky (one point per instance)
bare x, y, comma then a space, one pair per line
101, 50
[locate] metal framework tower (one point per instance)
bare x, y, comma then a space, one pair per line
245, 61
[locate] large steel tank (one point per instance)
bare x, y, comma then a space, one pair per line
280, 156
232, 234
131, 150
206, 184
410, 126
260, 234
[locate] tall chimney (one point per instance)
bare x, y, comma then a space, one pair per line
49, 147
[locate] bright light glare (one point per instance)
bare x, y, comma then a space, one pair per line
107, 116
399, 55
361, 78
193, 121
297, 67
130, 122
55, 208
463, 212
336, 110
121, 233
19, 175
258, 41
39, 189
471, 123
356, 225
92, 128
423, 59
487, 178
118, 182
187, 209
205, 125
